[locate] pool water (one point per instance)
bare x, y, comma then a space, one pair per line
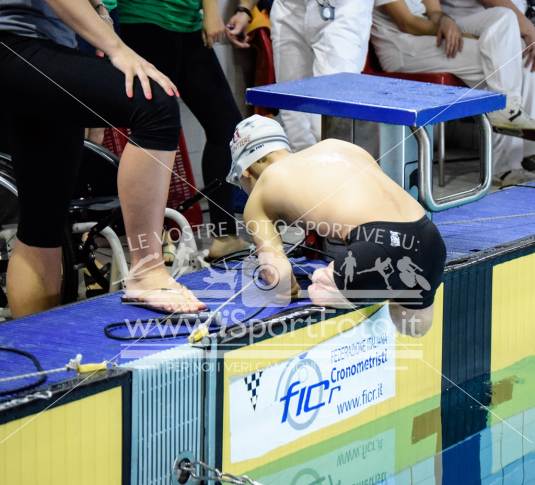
480, 433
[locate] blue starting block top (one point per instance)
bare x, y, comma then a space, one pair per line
376, 98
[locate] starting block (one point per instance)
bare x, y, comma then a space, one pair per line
406, 111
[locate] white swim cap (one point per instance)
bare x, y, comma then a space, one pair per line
253, 139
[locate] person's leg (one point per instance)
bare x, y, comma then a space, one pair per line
409, 321
528, 102
96, 135
38, 271
411, 53
204, 88
340, 45
500, 48
206, 92
293, 58
147, 40
507, 154
35, 270
98, 85
501, 53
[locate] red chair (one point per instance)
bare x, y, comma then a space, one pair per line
445, 78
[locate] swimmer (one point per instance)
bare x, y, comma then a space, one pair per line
353, 201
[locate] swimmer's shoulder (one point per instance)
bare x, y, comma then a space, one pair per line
260, 203
254, 204
277, 173
332, 145
262, 189
274, 185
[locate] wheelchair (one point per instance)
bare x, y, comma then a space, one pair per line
94, 260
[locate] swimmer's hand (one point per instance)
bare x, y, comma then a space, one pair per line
276, 272
133, 65
236, 30
213, 26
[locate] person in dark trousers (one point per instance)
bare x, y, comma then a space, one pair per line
50, 92
178, 39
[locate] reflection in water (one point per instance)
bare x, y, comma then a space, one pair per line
483, 432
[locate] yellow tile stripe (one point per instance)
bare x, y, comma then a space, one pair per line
513, 312
79, 443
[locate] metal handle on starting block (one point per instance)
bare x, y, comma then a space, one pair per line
425, 169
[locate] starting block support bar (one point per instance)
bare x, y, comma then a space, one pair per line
425, 170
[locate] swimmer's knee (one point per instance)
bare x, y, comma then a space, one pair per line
156, 122
414, 323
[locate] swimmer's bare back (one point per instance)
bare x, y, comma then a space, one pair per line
334, 186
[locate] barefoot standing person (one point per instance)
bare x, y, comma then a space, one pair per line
178, 39
49, 92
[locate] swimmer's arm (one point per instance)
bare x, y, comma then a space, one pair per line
268, 244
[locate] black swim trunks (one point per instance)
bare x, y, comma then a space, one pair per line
399, 261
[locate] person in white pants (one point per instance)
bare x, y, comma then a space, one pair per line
416, 36
471, 12
311, 38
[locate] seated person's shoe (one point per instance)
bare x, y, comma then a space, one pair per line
529, 163
513, 118
513, 177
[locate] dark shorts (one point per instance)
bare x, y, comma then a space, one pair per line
48, 95
399, 261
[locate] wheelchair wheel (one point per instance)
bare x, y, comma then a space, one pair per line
8, 226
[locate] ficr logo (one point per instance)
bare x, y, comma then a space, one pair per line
305, 393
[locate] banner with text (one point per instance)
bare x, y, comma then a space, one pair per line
332, 381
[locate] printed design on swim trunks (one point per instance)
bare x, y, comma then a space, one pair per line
386, 262
407, 271
407, 274
252, 381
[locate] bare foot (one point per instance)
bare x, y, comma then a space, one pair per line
156, 290
225, 245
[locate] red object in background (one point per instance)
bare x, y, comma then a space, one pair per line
259, 31
115, 140
182, 184
313, 240
373, 66
265, 68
